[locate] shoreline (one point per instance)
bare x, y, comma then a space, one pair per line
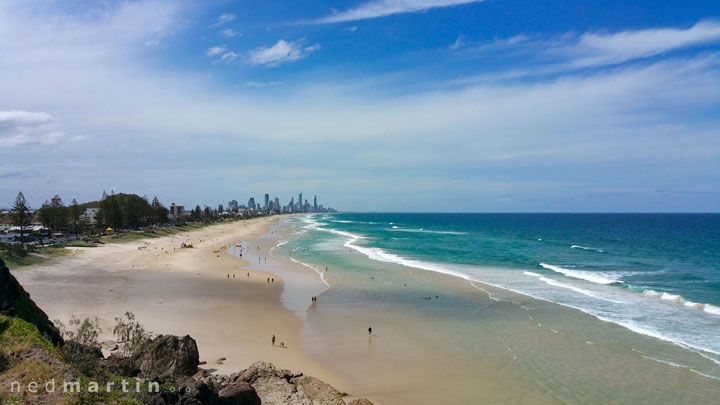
511, 348
173, 291
182, 292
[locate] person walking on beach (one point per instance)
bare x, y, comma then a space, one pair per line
273, 340
370, 331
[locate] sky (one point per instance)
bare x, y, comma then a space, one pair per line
372, 105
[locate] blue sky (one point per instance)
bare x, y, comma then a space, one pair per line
373, 105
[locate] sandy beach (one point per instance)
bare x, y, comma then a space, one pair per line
183, 291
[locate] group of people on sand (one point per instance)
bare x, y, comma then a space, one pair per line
314, 298
271, 280
282, 344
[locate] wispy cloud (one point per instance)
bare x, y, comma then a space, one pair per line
603, 49
280, 53
228, 56
229, 33
383, 8
215, 50
26, 127
223, 19
574, 52
261, 84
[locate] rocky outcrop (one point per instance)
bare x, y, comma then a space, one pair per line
16, 302
318, 391
167, 357
360, 401
238, 393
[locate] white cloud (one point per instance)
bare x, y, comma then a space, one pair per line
352, 29
383, 8
594, 49
229, 33
281, 52
223, 19
216, 50
25, 127
228, 56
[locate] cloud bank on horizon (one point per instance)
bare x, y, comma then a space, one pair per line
394, 105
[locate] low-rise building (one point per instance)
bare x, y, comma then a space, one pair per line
90, 214
6, 223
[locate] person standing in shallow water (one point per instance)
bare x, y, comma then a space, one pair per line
370, 331
273, 340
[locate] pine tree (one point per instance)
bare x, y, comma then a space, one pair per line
75, 213
21, 215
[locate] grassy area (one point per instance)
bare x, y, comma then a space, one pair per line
17, 335
42, 254
37, 255
26, 356
149, 234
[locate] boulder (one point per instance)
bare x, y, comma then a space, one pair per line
167, 357
318, 391
238, 393
360, 401
278, 391
15, 301
261, 369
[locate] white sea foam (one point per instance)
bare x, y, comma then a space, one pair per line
583, 275
421, 230
586, 248
709, 308
604, 308
322, 275
556, 283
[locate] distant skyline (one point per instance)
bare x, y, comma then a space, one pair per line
373, 105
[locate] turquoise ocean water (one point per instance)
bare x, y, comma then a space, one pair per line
656, 275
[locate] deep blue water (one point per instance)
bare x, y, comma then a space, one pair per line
656, 274
674, 253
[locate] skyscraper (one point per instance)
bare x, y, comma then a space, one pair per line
277, 204
267, 200
251, 203
300, 202
315, 204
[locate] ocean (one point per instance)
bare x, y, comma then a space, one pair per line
654, 277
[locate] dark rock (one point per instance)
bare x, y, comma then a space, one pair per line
164, 397
239, 393
318, 391
276, 390
360, 401
15, 301
190, 390
167, 357
262, 369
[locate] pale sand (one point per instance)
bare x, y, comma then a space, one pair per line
183, 292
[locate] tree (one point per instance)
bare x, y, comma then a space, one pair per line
59, 213
21, 215
75, 213
156, 210
45, 215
